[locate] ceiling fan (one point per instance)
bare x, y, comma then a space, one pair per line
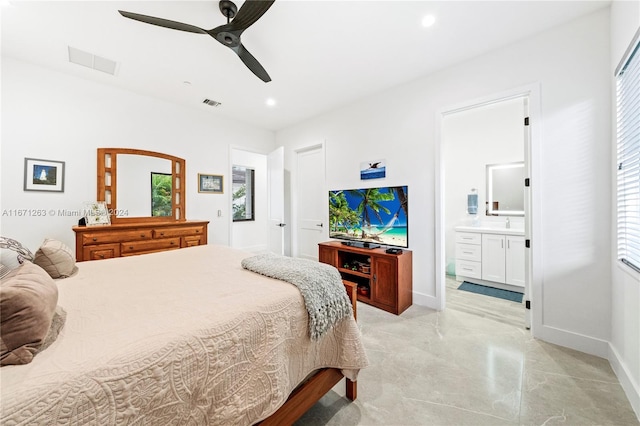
227, 34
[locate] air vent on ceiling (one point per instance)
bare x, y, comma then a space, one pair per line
211, 102
92, 61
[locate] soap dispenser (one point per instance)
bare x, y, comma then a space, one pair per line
472, 202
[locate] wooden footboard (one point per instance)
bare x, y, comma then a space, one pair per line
307, 394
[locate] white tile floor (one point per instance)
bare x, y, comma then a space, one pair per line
472, 364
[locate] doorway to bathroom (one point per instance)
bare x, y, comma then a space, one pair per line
485, 208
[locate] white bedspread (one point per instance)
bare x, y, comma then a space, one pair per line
180, 337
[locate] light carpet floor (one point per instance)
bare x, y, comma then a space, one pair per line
472, 364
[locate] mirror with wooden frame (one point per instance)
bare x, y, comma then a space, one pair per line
141, 186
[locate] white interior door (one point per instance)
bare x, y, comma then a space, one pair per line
275, 216
312, 199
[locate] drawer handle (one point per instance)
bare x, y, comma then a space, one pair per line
197, 231
173, 242
467, 252
95, 239
101, 256
467, 269
141, 235
162, 234
467, 238
130, 247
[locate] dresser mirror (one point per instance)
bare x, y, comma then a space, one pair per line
141, 186
505, 189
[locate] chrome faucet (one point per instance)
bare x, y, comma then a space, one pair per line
508, 224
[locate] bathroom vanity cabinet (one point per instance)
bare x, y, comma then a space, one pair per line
492, 257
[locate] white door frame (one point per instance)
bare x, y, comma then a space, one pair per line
228, 183
294, 195
533, 213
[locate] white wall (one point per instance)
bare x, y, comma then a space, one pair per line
251, 235
570, 65
54, 116
471, 139
625, 298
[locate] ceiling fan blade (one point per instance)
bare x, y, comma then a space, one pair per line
163, 22
251, 63
248, 14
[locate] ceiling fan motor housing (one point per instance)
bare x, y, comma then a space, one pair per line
228, 9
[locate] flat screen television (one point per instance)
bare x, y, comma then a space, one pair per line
370, 216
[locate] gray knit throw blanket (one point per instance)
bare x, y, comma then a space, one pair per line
320, 284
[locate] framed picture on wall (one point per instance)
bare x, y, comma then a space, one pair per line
212, 184
373, 169
43, 175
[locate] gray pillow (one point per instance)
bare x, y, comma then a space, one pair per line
12, 255
28, 299
56, 258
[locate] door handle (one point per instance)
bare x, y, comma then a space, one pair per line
319, 224
281, 225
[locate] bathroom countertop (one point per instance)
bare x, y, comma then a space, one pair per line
491, 229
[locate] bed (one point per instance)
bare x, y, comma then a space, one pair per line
179, 337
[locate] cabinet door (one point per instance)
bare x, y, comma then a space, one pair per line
515, 260
327, 255
384, 285
493, 257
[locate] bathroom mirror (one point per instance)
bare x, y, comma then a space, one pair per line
141, 186
505, 189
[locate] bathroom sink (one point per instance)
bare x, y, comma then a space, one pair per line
491, 228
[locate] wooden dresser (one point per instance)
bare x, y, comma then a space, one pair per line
104, 242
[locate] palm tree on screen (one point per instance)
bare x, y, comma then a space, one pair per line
371, 203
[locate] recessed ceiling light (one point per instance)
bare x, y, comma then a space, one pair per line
428, 20
271, 102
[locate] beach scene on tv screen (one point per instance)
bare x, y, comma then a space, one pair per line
375, 215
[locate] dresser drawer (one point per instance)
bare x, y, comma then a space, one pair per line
468, 252
102, 251
468, 268
178, 231
132, 247
191, 240
468, 238
90, 238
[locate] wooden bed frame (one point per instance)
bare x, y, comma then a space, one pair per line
307, 394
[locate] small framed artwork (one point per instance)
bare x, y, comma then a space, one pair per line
96, 213
43, 175
373, 170
212, 184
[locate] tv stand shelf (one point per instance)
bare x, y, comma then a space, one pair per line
384, 280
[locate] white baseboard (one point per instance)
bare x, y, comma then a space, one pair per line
426, 300
569, 339
629, 385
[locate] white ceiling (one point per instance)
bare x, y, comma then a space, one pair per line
319, 54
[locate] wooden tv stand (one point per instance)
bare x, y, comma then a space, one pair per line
384, 280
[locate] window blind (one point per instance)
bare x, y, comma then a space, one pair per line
628, 157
